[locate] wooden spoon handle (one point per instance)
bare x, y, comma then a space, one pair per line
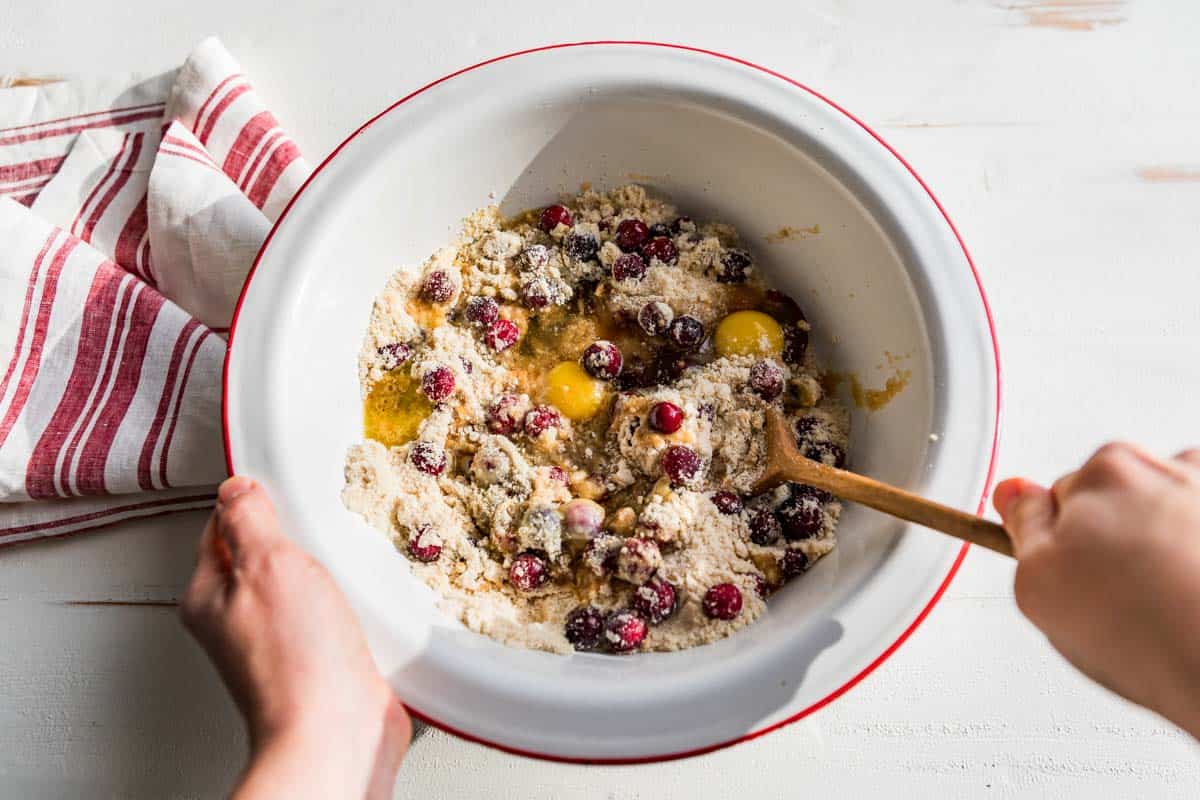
906, 505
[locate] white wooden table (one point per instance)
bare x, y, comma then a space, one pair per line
1062, 136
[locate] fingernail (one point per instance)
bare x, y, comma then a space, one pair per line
1006, 491
233, 488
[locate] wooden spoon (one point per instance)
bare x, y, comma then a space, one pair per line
784, 463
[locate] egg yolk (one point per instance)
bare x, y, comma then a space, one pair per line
394, 409
573, 392
748, 333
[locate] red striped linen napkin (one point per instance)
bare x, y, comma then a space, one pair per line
130, 212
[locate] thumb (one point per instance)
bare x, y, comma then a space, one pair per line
1027, 509
244, 517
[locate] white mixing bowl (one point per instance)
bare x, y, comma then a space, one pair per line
725, 140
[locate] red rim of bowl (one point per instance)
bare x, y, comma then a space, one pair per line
937, 595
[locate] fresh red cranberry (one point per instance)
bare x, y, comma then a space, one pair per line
438, 384
638, 373
723, 601
734, 264
792, 563
536, 293
665, 417
628, 267
827, 453
553, 216
681, 224
630, 234
482, 311
727, 503
502, 334
528, 572
800, 517
559, 474
438, 286
581, 246
535, 256
393, 355
421, 547
764, 527
601, 553
804, 490
624, 630
655, 318
541, 419
428, 458
686, 332
681, 464
766, 380
584, 628
795, 345
602, 360
805, 426
654, 600
661, 248
761, 587
659, 229
505, 414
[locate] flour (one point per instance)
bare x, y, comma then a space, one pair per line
487, 473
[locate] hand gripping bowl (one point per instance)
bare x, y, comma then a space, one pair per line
725, 140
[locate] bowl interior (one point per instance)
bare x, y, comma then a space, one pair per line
872, 262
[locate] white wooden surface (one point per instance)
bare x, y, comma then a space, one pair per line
1062, 137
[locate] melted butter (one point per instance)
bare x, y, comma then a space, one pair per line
870, 399
394, 409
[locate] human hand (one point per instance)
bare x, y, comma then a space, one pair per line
1108, 567
322, 720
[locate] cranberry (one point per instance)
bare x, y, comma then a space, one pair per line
681, 464
581, 246
659, 229
727, 502
800, 517
630, 234
766, 380
795, 345
536, 293
662, 248
723, 601
827, 453
670, 368
553, 216
438, 286
536, 255
665, 417
528, 572
393, 355
734, 264
761, 588
559, 474
429, 458
638, 373
686, 332
438, 384
583, 518
482, 311
655, 318
541, 419
792, 563
584, 628
804, 490
654, 600
638, 559
601, 553
504, 416
628, 267
805, 426
682, 223
624, 630
427, 552
602, 360
764, 527
502, 334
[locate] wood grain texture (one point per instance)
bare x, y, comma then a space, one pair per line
1032, 137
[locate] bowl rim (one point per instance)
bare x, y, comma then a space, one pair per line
991, 325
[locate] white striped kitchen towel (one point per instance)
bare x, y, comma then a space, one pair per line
130, 211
